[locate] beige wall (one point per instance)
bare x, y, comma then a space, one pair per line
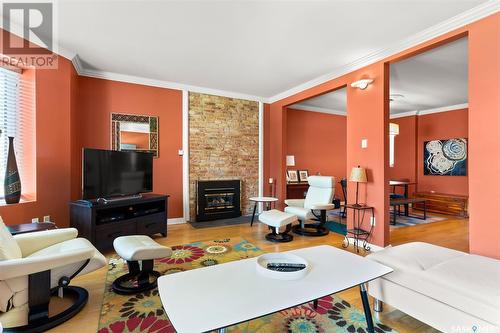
223, 144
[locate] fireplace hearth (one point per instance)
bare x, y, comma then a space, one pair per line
217, 199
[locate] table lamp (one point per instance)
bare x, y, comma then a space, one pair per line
358, 175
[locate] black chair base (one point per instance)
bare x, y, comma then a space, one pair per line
283, 237
138, 278
43, 323
311, 230
279, 238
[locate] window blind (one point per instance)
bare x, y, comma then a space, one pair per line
11, 120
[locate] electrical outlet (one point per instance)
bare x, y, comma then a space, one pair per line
364, 143
46, 218
35, 220
372, 220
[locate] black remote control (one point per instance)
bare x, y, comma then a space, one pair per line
285, 269
287, 265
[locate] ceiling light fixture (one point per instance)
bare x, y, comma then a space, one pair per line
395, 97
361, 84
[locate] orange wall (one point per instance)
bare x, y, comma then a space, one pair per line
54, 88
367, 118
484, 136
99, 98
484, 103
318, 142
443, 125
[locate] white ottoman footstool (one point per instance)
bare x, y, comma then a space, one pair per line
276, 219
139, 252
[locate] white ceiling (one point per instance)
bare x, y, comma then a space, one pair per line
256, 48
334, 102
435, 79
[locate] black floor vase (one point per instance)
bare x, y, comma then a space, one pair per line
12, 182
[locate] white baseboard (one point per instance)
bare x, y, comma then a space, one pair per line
177, 220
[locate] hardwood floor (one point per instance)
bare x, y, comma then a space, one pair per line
452, 233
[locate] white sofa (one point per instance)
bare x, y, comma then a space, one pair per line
449, 290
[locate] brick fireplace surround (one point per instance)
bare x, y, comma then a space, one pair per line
223, 144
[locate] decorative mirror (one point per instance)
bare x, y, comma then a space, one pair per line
131, 132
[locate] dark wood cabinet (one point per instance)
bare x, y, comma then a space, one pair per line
101, 223
451, 204
296, 190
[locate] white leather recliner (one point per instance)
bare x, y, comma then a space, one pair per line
318, 198
37, 265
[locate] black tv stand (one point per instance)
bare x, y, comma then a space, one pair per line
101, 222
115, 199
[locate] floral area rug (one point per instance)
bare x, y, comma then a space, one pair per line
144, 313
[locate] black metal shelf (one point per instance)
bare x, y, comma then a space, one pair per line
358, 233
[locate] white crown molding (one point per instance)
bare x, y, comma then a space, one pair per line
430, 111
304, 107
165, 84
443, 109
403, 114
77, 64
481, 11
392, 116
474, 14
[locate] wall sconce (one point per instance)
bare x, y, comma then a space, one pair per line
361, 84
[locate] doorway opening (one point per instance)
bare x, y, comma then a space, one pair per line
317, 145
428, 129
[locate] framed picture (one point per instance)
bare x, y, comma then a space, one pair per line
303, 174
445, 157
292, 176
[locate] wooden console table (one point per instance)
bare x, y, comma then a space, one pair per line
451, 204
296, 190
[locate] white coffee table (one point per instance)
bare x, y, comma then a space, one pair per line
215, 297
266, 200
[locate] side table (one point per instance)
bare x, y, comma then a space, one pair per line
17, 229
358, 233
267, 200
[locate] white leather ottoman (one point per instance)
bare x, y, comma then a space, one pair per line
276, 219
139, 252
449, 290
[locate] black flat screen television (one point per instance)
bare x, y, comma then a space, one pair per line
108, 173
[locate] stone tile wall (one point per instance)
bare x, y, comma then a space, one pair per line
223, 144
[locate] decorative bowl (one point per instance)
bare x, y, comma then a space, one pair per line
277, 257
